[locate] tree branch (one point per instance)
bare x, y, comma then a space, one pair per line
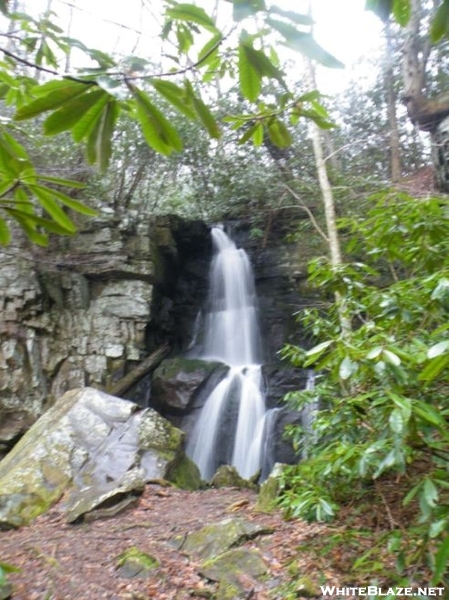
32, 65
308, 211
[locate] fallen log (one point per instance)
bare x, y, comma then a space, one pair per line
131, 378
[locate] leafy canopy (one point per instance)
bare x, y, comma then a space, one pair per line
89, 102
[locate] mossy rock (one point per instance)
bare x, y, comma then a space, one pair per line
171, 367
227, 476
269, 490
212, 540
133, 563
185, 474
237, 572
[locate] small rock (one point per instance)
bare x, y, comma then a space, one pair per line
227, 476
133, 563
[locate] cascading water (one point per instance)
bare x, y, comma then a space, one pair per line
231, 425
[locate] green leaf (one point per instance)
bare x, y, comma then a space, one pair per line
8, 568
430, 492
403, 403
35, 221
175, 95
428, 414
29, 227
305, 43
192, 14
52, 208
262, 64
412, 493
438, 349
209, 51
279, 134
249, 77
438, 527
401, 11
396, 421
258, 134
89, 120
391, 357
248, 134
347, 368
99, 143
74, 204
441, 561
72, 111
374, 353
14, 147
440, 23
5, 234
434, 367
206, 117
157, 130
59, 92
64, 182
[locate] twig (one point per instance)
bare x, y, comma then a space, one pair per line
308, 211
393, 523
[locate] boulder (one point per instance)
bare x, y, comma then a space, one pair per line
98, 446
177, 382
227, 476
217, 538
237, 571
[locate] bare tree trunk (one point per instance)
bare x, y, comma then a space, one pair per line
69, 32
395, 152
329, 209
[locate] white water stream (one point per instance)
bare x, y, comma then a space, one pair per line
231, 426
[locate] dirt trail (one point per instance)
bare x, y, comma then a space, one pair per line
79, 562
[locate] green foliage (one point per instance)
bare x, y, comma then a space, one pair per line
401, 12
24, 197
383, 386
89, 103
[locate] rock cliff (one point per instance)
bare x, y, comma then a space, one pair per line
85, 310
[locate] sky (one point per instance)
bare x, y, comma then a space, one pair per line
342, 27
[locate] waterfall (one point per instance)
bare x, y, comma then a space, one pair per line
231, 424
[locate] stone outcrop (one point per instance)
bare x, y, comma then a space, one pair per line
101, 448
86, 310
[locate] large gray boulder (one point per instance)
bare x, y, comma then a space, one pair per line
97, 446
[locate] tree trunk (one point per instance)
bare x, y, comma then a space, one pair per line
395, 152
429, 115
329, 209
147, 365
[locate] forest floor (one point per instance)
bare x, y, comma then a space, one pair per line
59, 561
